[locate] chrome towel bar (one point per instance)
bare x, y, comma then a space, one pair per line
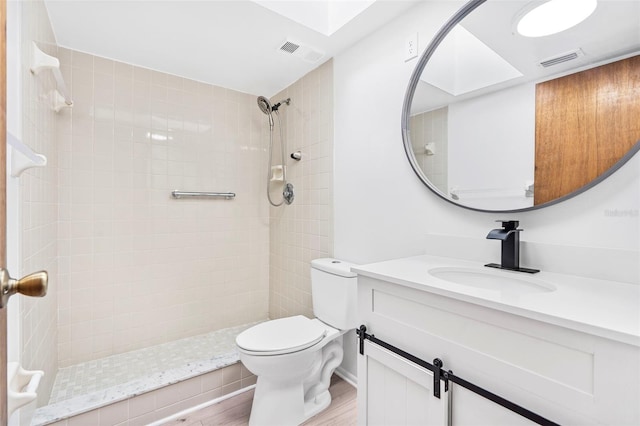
182, 194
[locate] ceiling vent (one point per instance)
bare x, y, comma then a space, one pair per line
564, 57
299, 51
289, 47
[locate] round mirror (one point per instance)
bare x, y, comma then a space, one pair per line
494, 120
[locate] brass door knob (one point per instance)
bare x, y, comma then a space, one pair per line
34, 285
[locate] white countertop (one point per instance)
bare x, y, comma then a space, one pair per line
607, 309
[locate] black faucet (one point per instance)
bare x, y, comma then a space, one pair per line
509, 236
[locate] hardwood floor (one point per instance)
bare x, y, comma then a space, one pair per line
235, 411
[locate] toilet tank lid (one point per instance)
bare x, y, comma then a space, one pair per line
334, 266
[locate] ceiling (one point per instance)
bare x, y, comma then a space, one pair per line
233, 43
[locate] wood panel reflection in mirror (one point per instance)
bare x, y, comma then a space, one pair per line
585, 122
483, 142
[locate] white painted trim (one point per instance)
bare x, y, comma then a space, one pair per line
348, 377
14, 124
200, 406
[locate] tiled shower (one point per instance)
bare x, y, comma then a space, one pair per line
137, 267
131, 267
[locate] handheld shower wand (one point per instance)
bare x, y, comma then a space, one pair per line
265, 106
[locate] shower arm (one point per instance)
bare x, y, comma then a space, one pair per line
279, 104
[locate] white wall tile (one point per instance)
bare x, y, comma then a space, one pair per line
124, 232
300, 232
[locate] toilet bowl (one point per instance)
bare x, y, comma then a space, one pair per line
294, 357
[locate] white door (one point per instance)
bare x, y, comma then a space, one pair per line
394, 391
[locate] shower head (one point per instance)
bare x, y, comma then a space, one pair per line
264, 105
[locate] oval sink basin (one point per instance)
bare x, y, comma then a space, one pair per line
505, 282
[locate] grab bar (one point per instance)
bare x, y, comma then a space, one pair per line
225, 195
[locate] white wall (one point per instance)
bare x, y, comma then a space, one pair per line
382, 211
492, 146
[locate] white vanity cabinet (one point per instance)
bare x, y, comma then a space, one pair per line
560, 372
396, 391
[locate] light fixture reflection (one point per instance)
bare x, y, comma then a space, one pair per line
159, 137
555, 16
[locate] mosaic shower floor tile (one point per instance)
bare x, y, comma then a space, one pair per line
100, 382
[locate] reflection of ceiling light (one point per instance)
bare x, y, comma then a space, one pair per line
159, 137
554, 16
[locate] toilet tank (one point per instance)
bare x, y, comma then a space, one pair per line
334, 293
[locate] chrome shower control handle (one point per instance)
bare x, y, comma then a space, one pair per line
34, 285
288, 193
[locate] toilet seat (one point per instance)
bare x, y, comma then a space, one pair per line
281, 336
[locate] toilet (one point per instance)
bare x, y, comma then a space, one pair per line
294, 357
